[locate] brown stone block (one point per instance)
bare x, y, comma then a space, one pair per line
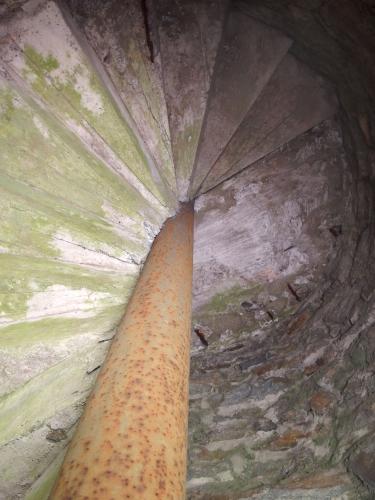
321, 401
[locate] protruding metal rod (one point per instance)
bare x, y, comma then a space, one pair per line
131, 441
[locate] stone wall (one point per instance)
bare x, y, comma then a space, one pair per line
282, 398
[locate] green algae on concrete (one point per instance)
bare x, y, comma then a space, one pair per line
42, 219
184, 150
152, 107
45, 64
17, 271
42, 487
36, 150
55, 389
32, 287
118, 29
52, 330
101, 114
230, 297
74, 231
55, 192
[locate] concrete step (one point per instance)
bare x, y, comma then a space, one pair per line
249, 54
74, 208
295, 100
121, 35
44, 53
189, 34
81, 203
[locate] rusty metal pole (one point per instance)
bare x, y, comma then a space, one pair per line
131, 441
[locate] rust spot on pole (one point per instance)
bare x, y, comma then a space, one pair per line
131, 441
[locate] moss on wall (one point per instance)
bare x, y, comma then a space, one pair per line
43, 486
77, 94
75, 229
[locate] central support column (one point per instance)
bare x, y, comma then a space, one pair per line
131, 441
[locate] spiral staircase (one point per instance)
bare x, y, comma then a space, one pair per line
111, 114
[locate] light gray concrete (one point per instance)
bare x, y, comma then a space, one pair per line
294, 100
189, 33
249, 53
116, 34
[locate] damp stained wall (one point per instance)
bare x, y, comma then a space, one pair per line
81, 201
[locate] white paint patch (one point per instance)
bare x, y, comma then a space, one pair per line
238, 464
59, 300
226, 445
41, 127
104, 258
125, 227
89, 99
314, 356
199, 481
225, 476
263, 404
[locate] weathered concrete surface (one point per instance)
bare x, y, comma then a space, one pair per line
68, 262
294, 100
42, 54
285, 405
117, 33
248, 55
132, 439
249, 233
189, 33
76, 225
44, 165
